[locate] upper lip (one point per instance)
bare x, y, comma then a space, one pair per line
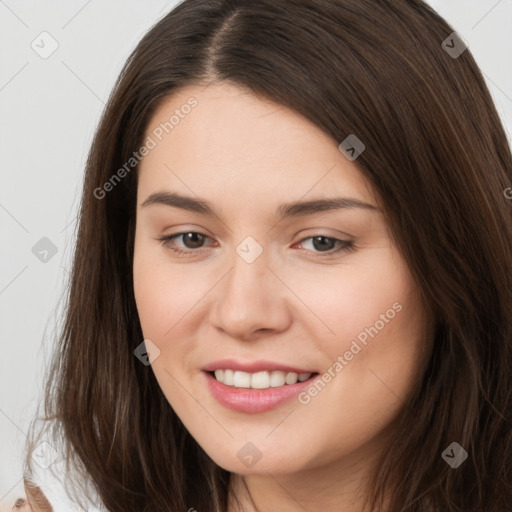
253, 366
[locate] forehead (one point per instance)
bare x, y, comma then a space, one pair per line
224, 142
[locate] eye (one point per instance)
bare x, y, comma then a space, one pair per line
324, 244
191, 239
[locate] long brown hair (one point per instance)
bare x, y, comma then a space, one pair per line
437, 155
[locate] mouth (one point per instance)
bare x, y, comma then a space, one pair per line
258, 380
254, 389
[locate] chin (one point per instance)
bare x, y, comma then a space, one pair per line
250, 460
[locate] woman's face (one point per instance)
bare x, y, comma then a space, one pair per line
308, 312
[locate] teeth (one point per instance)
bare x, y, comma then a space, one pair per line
291, 378
242, 380
277, 379
228, 378
259, 380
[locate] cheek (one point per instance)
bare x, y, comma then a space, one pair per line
163, 294
373, 365
373, 296
374, 333
150, 296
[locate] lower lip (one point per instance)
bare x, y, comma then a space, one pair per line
254, 400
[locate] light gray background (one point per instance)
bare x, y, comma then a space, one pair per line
49, 109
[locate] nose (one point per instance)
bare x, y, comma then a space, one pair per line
251, 300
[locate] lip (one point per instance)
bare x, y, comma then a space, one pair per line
249, 400
253, 366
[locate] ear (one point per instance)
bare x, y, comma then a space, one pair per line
36, 498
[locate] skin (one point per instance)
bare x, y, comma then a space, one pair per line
246, 156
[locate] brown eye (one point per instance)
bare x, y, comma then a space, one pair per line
191, 241
326, 244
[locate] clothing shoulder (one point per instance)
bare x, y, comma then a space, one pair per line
46, 488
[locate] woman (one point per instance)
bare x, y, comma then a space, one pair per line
215, 356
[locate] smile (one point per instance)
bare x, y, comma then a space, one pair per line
255, 387
259, 380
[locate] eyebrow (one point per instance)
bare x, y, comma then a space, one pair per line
293, 209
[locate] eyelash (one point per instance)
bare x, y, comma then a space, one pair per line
345, 245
